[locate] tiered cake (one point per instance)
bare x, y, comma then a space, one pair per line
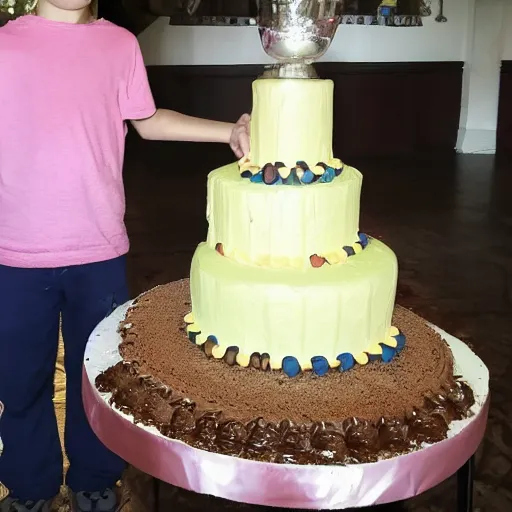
297, 283
297, 354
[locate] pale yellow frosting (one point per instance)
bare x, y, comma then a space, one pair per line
282, 226
291, 120
323, 311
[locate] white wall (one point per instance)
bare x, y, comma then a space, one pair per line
478, 32
163, 44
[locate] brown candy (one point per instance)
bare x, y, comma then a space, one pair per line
317, 261
230, 357
183, 421
231, 435
270, 174
208, 347
219, 248
255, 360
265, 362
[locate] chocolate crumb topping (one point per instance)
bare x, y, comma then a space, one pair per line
374, 411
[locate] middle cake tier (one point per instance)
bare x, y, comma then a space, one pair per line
331, 312
283, 226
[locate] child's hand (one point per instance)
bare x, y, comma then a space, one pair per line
239, 140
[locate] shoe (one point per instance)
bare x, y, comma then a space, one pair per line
12, 505
105, 501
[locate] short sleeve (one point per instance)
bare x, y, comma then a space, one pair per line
135, 97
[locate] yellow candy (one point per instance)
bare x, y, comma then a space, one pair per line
362, 359
189, 319
393, 331
318, 170
390, 342
243, 160
306, 366
193, 328
357, 248
284, 172
333, 258
201, 339
276, 364
300, 172
375, 350
218, 352
243, 360
335, 163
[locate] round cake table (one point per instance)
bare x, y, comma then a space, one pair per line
288, 486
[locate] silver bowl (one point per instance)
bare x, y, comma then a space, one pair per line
297, 32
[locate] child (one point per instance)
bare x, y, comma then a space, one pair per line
67, 84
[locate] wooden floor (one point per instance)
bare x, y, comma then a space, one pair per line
449, 222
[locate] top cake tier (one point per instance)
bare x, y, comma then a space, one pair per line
291, 121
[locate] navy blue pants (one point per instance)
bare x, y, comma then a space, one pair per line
31, 302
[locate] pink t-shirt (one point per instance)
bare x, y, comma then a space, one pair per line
65, 93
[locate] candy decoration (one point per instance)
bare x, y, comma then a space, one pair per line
208, 346
336, 163
349, 250
357, 248
292, 178
302, 165
219, 351
291, 366
308, 177
319, 169
363, 239
400, 342
394, 331
317, 261
391, 342
243, 360
270, 174
265, 362
362, 358
246, 174
230, 356
374, 357
256, 360
347, 362
338, 171
220, 249
388, 353
284, 172
320, 365
193, 335
257, 178
328, 175
189, 319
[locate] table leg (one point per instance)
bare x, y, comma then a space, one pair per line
156, 495
465, 477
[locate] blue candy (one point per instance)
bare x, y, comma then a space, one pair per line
257, 178
328, 175
291, 366
338, 171
388, 353
320, 365
292, 179
213, 339
308, 177
400, 340
374, 357
347, 362
349, 250
246, 174
363, 239
193, 335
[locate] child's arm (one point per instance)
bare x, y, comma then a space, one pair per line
171, 125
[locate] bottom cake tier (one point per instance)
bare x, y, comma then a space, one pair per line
371, 412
